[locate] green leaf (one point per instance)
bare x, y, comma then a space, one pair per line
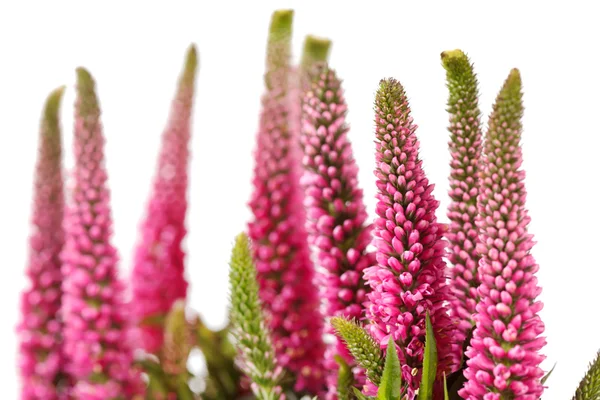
359, 394
589, 388
430, 362
391, 380
446, 396
545, 378
345, 379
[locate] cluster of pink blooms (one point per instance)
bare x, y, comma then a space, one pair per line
280, 244
409, 277
76, 325
41, 359
158, 271
504, 359
96, 339
335, 209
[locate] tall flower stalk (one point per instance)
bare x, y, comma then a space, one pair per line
409, 277
96, 325
281, 252
41, 359
336, 212
504, 353
158, 278
465, 149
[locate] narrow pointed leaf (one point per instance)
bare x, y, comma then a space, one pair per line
545, 378
359, 395
430, 362
391, 381
446, 396
345, 379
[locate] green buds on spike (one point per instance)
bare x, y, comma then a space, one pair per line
258, 355
279, 50
191, 64
51, 111
589, 388
457, 63
316, 50
281, 24
362, 346
86, 90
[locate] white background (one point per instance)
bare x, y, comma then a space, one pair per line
135, 51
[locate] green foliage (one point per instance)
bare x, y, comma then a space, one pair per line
545, 378
589, 388
362, 346
390, 387
361, 396
345, 380
430, 362
249, 330
446, 396
167, 372
178, 342
223, 380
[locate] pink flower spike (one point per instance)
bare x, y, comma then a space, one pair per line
465, 148
339, 234
41, 358
158, 278
96, 325
409, 277
280, 243
506, 342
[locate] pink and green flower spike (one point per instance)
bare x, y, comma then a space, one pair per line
41, 358
465, 149
409, 277
158, 276
504, 356
280, 243
97, 330
336, 213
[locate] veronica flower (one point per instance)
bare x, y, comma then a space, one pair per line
465, 149
409, 277
336, 212
96, 326
158, 278
281, 252
504, 359
41, 360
